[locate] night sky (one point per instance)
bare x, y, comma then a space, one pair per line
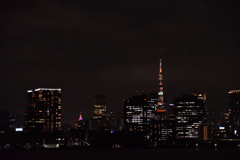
112, 47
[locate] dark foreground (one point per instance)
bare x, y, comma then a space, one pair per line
120, 154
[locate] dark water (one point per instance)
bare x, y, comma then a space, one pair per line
111, 154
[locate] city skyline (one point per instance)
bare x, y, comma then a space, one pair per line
113, 49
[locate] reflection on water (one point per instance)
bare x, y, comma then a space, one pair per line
119, 154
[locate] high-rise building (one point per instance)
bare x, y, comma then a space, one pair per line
190, 114
162, 132
234, 112
100, 116
212, 122
204, 132
138, 113
223, 124
224, 118
212, 119
100, 106
153, 99
43, 112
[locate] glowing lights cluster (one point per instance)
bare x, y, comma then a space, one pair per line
234, 91
45, 89
80, 117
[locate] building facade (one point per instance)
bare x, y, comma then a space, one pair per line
162, 133
100, 116
138, 113
204, 133
99, 106
43, 112
190, 114
234, 112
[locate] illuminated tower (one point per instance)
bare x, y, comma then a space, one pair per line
80, 123
161, 111
80, 117
160, 92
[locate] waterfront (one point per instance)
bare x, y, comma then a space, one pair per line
119, 154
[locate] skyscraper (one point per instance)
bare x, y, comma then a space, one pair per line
138, 113
100, 116
162, 132
43, 112
190, 114
234, 112
100, 106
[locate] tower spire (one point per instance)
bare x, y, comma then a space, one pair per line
160, 109
80, 117
160, 79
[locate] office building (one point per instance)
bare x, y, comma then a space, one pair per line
212, 119
138, 113
100, 116
234, 112
100, 106
153, 100
212, 122
190, 114
224, 118
43, 112
204, 133
162, 133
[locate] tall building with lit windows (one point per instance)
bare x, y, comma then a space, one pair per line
189, 115
100, 116
234, 112
99, 106
138, 113
162, 133
43, 112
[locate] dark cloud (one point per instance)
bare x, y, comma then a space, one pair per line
97, 47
